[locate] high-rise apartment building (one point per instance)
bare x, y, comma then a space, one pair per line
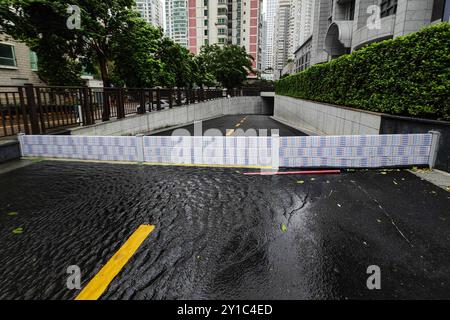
281, 37
176, 26
262, 30
300, 24
151, 11
224, 22
267, 49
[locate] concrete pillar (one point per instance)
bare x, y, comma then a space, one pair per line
434, 148
412, 15
322, 12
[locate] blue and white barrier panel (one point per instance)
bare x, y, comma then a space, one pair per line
370, 151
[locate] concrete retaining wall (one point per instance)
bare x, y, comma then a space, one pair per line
324, 119
399, 125
315, 118
9, 150
176, 116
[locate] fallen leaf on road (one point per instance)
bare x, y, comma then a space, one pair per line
13, 213
283, 227
395, 182
383, 172
301, 181
339, 205
312, 179
18, 230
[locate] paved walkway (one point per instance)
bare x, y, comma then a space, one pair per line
436, 177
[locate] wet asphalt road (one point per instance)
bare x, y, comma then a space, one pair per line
219, 233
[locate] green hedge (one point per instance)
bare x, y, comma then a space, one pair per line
407, 75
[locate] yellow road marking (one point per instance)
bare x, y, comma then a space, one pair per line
95, 288
153, 163
229, 132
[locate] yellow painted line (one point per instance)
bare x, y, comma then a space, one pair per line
207, 165
95, 288
157, 164
229, 132
80, 160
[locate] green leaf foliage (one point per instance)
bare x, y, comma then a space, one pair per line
408, 75
230, 64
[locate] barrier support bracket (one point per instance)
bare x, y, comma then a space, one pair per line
140, 148
20, 136
435, 135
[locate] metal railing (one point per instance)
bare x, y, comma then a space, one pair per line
39, 110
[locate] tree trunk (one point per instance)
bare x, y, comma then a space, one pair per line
103, 69
106, 112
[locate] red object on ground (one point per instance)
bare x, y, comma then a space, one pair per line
291, 172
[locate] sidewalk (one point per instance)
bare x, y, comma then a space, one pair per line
436, 177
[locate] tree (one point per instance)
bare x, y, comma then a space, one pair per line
57, 69
134, 52
38, 24
229, 64
35, 22
202, 75
101, 21
178, 64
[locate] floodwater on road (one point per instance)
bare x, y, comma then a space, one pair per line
222, 235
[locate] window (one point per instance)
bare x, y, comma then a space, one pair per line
205, 22
206, 32
222, 11
221, 40
7, 55
33, 61
205, 13
388, 8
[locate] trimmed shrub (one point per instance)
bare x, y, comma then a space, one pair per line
408, 75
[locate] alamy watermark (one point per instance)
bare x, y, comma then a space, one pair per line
74, 20
374, 20
374, 280
213, 148
73, 281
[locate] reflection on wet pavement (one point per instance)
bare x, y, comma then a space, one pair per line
220, 234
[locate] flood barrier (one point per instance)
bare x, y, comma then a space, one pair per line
366, 151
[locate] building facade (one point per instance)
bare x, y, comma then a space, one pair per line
224, 22
281, 37
343, 26
18, 64
176, 24
271, 11
151, 11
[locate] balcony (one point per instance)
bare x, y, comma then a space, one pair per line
222, 12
